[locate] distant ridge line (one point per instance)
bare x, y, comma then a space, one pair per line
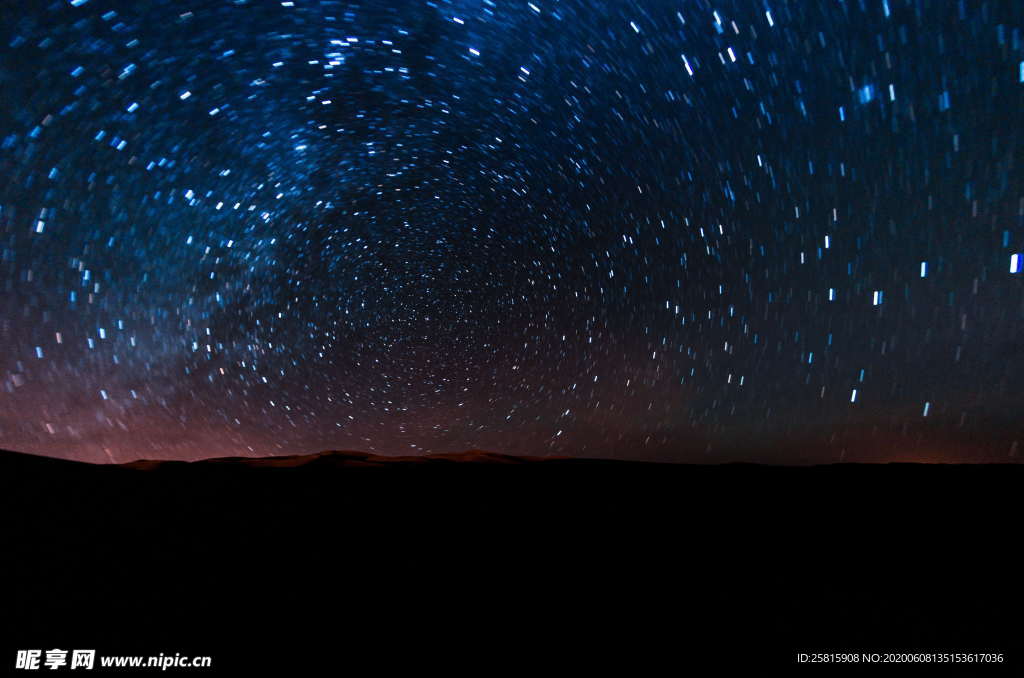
475, 457
353, 458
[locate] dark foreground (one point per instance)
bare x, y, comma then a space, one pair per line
560, 567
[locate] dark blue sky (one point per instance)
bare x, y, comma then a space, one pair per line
691, 231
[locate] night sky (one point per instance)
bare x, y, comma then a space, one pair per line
641, 229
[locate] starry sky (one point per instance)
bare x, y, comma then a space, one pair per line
683, 230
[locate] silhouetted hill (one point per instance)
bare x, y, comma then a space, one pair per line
348, 458
462, 559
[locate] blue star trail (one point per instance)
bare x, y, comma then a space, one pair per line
664, 230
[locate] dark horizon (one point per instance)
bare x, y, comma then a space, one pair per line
870, 445
441, 564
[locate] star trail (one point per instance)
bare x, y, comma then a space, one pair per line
667, 230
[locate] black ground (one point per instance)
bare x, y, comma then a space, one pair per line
537, 566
